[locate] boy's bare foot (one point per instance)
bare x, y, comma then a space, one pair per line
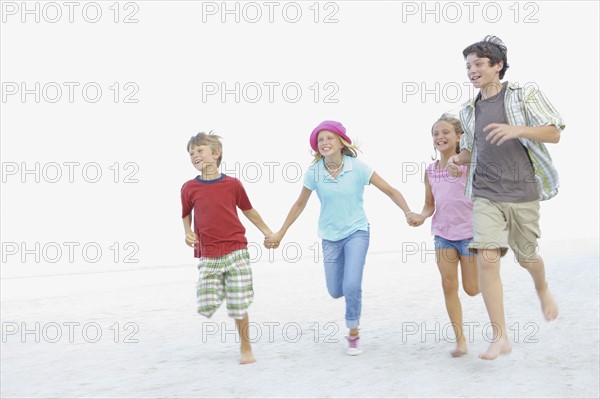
247, 356
549, 306
500, 347
461, 349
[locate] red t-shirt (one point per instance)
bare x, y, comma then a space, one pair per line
216, 222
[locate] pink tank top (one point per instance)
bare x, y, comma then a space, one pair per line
453, 217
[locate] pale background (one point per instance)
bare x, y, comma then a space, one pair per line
372, 54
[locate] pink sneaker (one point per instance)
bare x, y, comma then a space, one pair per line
354, 346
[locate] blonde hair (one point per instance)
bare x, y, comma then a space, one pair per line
454, 122
211, 140
347, 149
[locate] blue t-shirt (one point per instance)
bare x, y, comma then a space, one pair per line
341, 198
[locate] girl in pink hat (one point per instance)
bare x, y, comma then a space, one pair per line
339, 179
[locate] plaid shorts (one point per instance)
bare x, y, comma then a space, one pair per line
228, 276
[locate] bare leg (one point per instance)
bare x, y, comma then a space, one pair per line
245, 347
447, 260
536, 269
470, 277
488, 263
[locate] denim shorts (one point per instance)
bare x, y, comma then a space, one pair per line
461, 246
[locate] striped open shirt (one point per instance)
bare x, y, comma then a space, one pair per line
523, 107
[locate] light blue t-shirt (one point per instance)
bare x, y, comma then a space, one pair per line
341, 198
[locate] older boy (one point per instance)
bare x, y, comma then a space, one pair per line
505, 127
218, 236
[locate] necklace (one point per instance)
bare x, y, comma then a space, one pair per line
334, 170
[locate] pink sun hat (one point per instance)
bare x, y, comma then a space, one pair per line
332, 126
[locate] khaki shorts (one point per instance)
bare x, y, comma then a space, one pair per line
499, 225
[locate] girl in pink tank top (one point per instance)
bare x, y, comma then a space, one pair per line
451, 224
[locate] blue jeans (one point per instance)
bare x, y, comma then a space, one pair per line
344, 263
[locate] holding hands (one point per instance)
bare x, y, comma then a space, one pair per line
453, 167
414, 219
273, 240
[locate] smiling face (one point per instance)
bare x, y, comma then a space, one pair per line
445, 138
329, 143
203, 158
481, 73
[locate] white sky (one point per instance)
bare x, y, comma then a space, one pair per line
392, 68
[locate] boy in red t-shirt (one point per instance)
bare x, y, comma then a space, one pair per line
218, 236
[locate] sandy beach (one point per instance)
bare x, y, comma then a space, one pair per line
125, 334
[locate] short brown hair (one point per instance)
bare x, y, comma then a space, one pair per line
209, 139
491, 47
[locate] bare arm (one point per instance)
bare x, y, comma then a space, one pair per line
390, 191
428, 208
461, 158
256, 219
498, 133
545, 134
293, 214
190, 236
